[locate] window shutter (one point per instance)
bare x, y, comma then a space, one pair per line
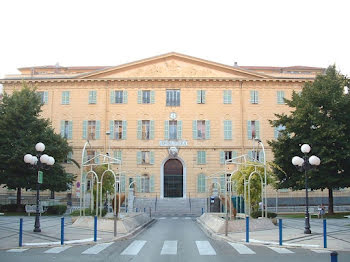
199, 157
122, 184
124, 128
112, 97
138, 184
194, 129
139, 129
261, 156
207, 129
222, 157
227, 129
69, 157
125, 97
63, 98
85, 123
139, 97
276, 132
97, 158
90, 97
256, 97
85, 156
152, 97
151, 158
250, 155
252, 100
98, 126
234, 154
62, 128
111, 129
152, 129
166, 129
117, 155
179, 129
201, 183
249, 129
199, 100
222, 183
70, 129
204, 157
229, 97
203, 96
151, 184
139, 157
257, 129
46, 97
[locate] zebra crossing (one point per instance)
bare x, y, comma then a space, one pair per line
169, 247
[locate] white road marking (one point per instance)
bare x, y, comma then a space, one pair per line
169, 247
205, 249
56, 250
242, 249
162, 218
281, 250
320, 251
175, 218
187, 218
134, 248
97, 248
17, 250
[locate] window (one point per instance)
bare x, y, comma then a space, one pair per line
201, 185
43, 95
228, 177
173, 129
117, 129
227, 155
92, 97
145, 181
66, 129
227, 97
145, 157
201, 129
90, 154
280, 97
227, 129
254, 155
200, 96
145, 97
65, 98
201, 157
254, 97
173, 97
92, 130
119, 97
253, 129
278, 129
118, 155
145, 129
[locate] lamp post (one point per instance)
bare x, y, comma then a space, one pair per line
305, 164
39, 162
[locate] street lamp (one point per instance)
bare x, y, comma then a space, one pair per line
39, 161
305, 164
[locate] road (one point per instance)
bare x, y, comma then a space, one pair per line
168, 239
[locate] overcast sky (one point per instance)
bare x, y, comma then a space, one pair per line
262, 33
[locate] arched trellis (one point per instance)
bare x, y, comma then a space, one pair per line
107, 160
262, 192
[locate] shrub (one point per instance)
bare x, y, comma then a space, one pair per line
256, 214
12, 208
56, 210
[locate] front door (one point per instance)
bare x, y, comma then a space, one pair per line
173, 178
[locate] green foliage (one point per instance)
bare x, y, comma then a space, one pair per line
257, 213
320, 117
88, 212
12, 208
255, 182
56, 210
21, 127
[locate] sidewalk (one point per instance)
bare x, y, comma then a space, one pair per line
338, 234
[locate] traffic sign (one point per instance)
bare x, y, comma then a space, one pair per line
40, 177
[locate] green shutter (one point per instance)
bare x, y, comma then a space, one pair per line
152, 97
151, 129
62, 128
69, 157
261, 156
199, 100
199, 157
85, 123
85, 157
203, 96
112, 96
118, 155
98, 127
252, 97
250, 155
204, 157
201, 183
257, 129
125, 97
90, 97
179, 129
207, 129
227, 129
138, 184
70, 129
111, 129
256, 97
166, 129
139, 97
151, 158
222, 183
194, 129
124, 127
139, 129
151, 184
63, 98
249, 129
139, 157
46, 97
222, 157
234, 154
122, 184
276, 132
97, 158
229, 96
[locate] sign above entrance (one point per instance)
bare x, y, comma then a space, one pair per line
173, 143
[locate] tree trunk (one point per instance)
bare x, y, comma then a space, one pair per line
19, 198
330, 201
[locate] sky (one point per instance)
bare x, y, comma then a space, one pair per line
108, 33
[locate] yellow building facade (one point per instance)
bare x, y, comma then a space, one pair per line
171, 119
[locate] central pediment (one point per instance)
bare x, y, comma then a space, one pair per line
172, 65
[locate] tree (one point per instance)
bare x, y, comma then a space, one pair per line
21, 127
320, 117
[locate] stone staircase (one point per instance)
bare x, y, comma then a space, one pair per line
171, 206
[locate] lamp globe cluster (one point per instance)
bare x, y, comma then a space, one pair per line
45, 159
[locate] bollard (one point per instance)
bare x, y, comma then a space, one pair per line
137, 210
62, 230
95, 228
144, 210
247, 229
324, 233
334, 256
150, 212
115, 225
280, 230
20, 231
202, 210
126, 210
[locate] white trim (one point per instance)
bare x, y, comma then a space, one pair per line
184, 176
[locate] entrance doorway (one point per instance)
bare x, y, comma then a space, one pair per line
173, 178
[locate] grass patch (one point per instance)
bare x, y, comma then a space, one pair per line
339, 215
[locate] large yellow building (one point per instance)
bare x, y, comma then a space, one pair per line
206, 111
